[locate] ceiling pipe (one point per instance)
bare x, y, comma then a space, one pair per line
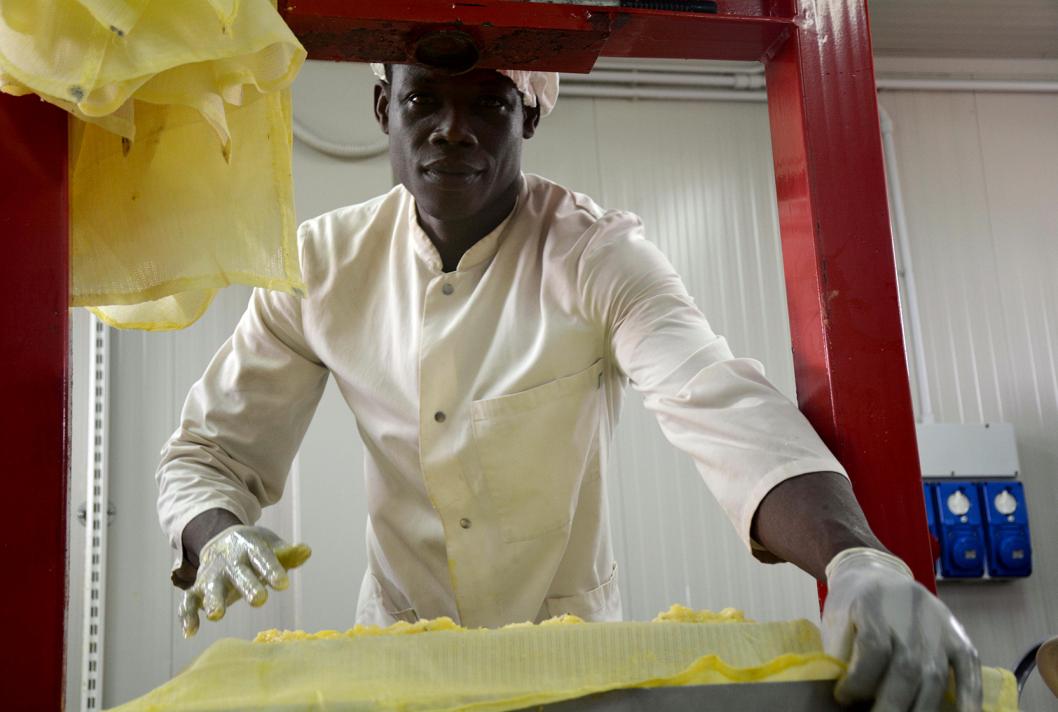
674, 93
606, 76
690, 86
978, 85
677, 66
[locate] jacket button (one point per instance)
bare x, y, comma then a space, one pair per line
439, 417
448, 289
465, 523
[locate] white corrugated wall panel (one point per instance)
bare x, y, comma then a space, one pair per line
965, 28
700, 176
980, 178
150, 376
334, 100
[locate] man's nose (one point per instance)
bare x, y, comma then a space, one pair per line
453, 128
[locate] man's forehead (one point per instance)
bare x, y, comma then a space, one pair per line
420, 75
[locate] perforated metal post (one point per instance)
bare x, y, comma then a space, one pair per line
96, 516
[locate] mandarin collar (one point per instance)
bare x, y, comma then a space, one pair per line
481, 251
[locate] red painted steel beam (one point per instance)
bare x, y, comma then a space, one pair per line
670, 35
841, 282
33, 381
509, 34
534, 35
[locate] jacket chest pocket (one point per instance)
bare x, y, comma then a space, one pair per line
536, 447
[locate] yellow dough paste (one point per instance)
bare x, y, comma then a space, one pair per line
439, 665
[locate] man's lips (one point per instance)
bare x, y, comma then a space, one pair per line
451, 175
454, 168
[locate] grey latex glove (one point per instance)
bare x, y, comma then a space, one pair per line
898, 639
240, 562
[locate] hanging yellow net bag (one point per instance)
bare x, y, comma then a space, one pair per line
180, 146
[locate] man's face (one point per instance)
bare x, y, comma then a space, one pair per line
455, 141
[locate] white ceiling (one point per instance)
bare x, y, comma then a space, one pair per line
965, 28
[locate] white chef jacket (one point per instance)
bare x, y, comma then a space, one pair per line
486, 399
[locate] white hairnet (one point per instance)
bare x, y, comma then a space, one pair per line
537, 88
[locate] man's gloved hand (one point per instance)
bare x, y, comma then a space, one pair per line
238, 563
899, 639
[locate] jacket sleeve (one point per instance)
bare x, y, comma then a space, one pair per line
744, 436
243, 421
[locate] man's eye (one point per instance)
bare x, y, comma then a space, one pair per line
420, 99
493, 102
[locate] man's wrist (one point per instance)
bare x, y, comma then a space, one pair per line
863, 555
201, 529
809, 519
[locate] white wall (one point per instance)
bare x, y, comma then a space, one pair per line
701, 179
150, 375
980, 180
334, 100
76, 497
983, 235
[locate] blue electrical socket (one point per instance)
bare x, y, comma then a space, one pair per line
1006, 520
960, 530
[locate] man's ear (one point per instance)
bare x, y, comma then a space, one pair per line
382, 106
531, 119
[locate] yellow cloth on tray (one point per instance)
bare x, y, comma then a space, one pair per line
180, 162
436, 665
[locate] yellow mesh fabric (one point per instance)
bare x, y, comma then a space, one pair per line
180, 161
436, 665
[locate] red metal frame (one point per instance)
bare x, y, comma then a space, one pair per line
33, 381
841, 283
540, 36
841, 287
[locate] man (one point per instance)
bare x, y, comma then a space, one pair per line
481, 325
